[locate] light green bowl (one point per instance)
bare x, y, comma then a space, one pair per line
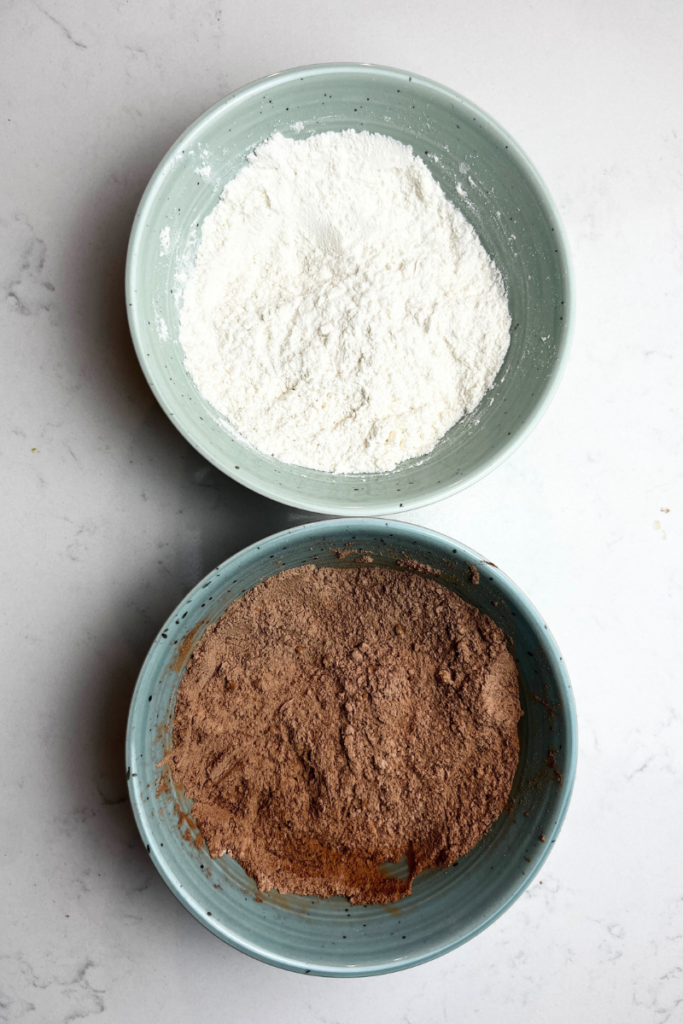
467, 152
448, 906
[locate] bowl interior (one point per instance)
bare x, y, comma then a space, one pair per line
481, 171
447, 906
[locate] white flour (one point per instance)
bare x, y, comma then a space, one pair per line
342, 314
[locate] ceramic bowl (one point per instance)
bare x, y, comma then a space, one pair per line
447, 906
481, 170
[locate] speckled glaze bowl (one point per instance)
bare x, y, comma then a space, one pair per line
448, 906
481, 170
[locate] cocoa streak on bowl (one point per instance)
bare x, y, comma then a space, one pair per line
185, 647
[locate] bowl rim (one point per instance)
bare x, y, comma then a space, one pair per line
273, 490
259, 951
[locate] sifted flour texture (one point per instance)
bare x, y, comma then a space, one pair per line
342, 314
336, 719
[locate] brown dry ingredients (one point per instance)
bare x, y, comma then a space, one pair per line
337, 719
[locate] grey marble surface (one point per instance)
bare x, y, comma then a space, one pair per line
109, 516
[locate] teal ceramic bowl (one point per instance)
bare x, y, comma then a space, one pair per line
448, 906
481, 170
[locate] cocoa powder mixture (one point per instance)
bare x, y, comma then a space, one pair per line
337, 719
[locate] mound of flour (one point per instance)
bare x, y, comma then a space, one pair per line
341, 313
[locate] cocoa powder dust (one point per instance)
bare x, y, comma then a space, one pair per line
334, 720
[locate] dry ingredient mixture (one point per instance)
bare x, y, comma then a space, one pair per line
334, 720
342, 313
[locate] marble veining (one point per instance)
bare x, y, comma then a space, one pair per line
28, 291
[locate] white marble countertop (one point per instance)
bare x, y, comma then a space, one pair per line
109, 516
